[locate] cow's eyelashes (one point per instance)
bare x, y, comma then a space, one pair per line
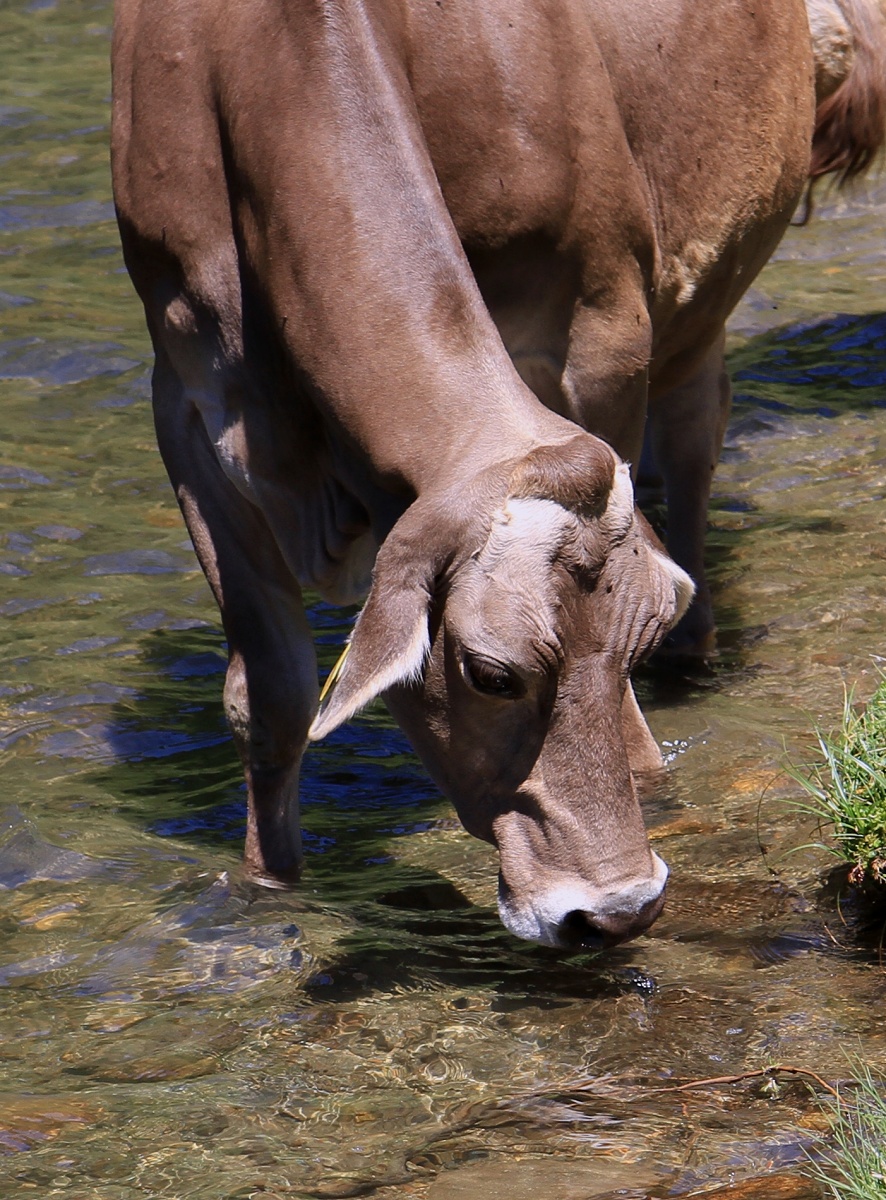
491, 678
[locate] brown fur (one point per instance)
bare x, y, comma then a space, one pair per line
564, 473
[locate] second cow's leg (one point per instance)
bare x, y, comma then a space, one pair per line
685, 434
605, 379
270, 691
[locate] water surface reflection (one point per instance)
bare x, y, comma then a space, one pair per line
169, 1030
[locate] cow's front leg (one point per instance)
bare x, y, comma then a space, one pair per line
606, 377
686, 430
270, 693
270, 701
644, 755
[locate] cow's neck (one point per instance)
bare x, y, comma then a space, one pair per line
363, 268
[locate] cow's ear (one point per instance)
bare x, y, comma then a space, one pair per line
390, 642
683, 585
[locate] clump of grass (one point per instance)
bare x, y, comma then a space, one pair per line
854, 1165
846, 790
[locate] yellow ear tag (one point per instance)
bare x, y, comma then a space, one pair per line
332, 677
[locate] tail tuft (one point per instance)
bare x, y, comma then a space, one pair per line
850, 122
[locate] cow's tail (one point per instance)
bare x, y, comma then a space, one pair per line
849, 44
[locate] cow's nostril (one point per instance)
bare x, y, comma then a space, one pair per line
578, 931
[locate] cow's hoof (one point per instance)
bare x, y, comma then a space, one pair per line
694, 637
284, 878
273, 881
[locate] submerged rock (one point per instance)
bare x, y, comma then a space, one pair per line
788, 1185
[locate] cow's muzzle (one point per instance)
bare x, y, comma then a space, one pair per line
570, 914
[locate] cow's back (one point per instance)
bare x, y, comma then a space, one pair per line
674, 134
677, 133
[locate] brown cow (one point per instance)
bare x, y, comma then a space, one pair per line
404, 265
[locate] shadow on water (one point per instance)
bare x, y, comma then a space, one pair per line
174, 772
175, 769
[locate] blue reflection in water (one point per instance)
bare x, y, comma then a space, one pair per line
362, 784
844, 350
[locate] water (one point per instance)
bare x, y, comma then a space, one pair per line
168, 1030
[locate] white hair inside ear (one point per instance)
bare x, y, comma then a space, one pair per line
365, 673
684, 588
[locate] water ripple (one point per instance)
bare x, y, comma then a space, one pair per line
137, 562
54, 216
62, 363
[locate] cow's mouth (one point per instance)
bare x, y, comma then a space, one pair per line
572, 915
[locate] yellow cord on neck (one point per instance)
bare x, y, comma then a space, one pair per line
332, 677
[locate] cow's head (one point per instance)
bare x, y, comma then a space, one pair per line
502, 625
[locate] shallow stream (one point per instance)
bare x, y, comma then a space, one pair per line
168, 1030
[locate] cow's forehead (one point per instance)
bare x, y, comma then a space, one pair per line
529, 591
506, 599
526, 528
525, 536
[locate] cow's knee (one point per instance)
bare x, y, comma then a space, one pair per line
269, 706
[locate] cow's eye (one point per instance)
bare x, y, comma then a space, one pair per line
492, 678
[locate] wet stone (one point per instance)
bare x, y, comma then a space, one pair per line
158, 1050
110, 1018
681, 826
25, 856
28, 1121
154, 1069
786, 1186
